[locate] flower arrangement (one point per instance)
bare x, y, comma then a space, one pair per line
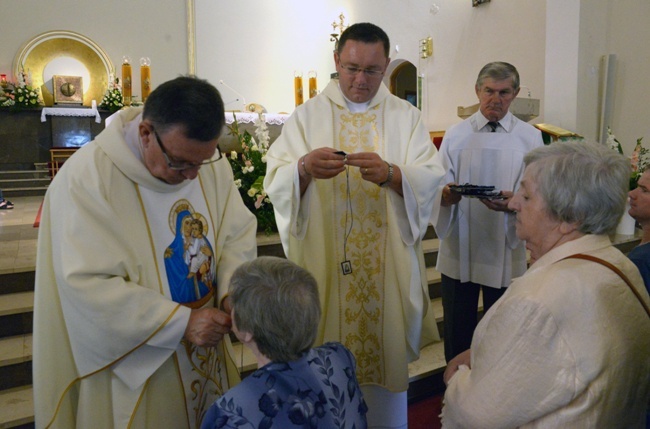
113, 100
639, 161
249, 169
23, 94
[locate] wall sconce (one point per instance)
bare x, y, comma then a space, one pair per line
479, 2
426, 47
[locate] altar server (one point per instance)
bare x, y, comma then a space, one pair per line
479, 250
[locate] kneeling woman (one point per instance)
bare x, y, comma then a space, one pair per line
275, 313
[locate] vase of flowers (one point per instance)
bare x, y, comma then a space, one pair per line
639, 161
23, 94
113, 100
249, 168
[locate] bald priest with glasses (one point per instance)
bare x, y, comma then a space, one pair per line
140, 231
351, 178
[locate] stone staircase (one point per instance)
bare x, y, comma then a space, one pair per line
25, 182
16, 315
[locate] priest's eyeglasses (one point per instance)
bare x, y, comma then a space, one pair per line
179, 166
353, 71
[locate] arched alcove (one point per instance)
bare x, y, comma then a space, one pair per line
65, 53
402, 80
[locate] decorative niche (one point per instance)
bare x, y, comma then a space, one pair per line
65, 53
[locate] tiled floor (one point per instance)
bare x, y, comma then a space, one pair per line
18, 235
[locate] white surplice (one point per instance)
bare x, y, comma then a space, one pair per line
478, 244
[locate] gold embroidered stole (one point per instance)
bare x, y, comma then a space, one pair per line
361, 293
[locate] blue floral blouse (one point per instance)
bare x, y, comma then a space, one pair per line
319, 390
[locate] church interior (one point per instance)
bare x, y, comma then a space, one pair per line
582, 66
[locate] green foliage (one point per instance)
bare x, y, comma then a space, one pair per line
249, 168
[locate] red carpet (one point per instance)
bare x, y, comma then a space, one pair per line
37, 221
424, 413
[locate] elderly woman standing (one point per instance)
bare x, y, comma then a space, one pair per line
275, 313
568, 345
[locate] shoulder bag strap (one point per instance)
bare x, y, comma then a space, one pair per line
617, 271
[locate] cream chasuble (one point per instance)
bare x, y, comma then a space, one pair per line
122, 257
381, 309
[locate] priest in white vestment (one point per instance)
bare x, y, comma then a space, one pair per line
124, 335
352, 179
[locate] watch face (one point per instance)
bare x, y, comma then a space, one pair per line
67, 89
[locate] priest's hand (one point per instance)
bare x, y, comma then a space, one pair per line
322, 163
375, 170
207, 326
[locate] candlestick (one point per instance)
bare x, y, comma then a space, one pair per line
126, 80
145, 77
313, 87
297, 87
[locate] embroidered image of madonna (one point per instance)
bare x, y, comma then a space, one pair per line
189, 259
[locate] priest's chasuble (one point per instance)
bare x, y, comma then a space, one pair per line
122, 258
379, 308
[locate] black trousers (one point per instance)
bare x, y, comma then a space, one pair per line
460, 312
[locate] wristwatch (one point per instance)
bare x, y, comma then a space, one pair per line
390, 175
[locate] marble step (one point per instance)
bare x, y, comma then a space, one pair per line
15, 350
16, 407
16, 303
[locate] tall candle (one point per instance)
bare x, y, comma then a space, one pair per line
145, 77
313, 87
126, 80
297, 87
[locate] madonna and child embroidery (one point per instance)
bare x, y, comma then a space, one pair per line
189, 259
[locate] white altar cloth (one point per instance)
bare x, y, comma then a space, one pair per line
249, 118
71, 111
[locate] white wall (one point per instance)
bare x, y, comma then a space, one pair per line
255, 46
142, 28
628, 36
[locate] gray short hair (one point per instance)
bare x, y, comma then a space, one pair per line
582, 182
276, 301
498, 70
